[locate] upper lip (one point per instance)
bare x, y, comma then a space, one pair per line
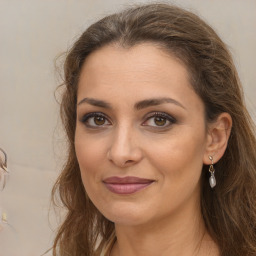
126, 180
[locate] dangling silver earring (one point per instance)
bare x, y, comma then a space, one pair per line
212, 179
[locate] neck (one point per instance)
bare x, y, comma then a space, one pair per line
176, 235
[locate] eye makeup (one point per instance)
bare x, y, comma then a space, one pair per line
153, 120
95, 120
159, 119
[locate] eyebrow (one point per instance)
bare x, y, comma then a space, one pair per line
94, 102
156, 101
138, 106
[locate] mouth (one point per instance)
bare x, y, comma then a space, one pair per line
126, 185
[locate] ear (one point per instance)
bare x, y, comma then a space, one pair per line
217, 138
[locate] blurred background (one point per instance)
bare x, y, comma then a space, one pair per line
32, 34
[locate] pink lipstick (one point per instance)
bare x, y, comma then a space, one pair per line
126, 185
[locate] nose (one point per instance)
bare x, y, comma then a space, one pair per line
124, 150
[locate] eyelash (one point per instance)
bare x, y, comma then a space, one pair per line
162, 115
86, 118
166, 117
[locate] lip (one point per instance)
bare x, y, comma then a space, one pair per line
126, 185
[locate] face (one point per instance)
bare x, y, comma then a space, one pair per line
140, 134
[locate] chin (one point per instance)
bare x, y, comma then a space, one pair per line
125, 215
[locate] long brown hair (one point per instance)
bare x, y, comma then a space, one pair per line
229, 211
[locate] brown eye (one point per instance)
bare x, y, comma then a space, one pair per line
95, 120
160, 121
99, 120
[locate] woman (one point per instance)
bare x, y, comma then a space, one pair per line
152, 107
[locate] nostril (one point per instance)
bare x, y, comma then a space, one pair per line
125, 163
128, 162
124, 154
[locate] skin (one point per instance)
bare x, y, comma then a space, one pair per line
164, 218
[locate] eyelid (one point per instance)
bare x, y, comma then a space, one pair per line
168, 117
147, 117
87, 116
161, 114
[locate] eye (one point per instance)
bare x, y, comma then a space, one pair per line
95, 120
159, 119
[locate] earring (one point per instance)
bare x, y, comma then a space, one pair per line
212, 179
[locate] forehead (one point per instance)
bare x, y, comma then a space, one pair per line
145, 57
139, 72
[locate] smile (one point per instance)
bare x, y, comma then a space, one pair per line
126, 185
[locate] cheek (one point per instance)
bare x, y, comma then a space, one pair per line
89, 154
180, 157
179, 163
88, 160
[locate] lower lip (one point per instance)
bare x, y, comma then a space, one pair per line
125, 189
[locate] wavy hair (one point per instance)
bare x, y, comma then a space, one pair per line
229, 211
